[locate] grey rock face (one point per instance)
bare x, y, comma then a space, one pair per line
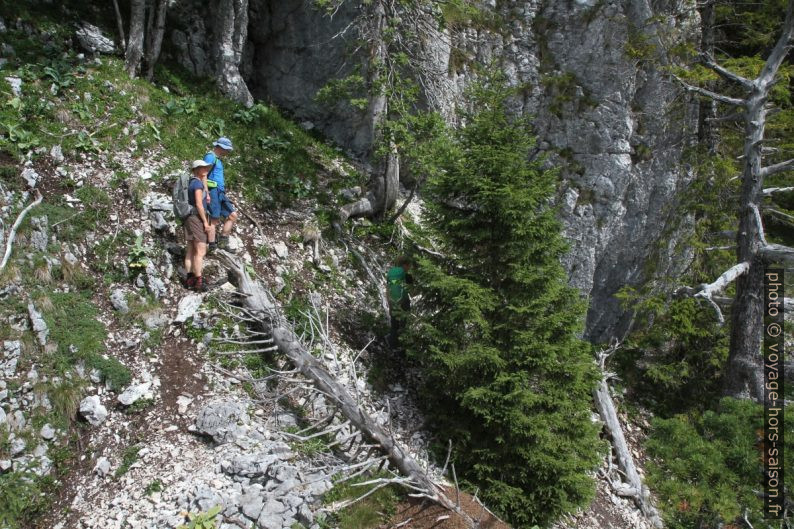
93, 411
608, 117
158, 221
92, 40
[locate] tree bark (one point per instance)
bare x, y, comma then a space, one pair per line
386, 169
134, 52
744, 373
233, 26
635, 489
154, 38
120, 25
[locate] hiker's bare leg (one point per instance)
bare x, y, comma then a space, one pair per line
189, 252
213, 229
198, 258
227, 226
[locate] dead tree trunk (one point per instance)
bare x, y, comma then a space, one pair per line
257, 301
633, 488
744, 372
154, 37
120, 25
386, 170
134, 52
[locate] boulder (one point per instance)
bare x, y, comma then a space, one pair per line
38, 324
16, 86
251, 505
220, 419
118, 298
47, 432
281, 250
30, 176
188, 307
134, 393
92, 40
56, 153
93, 411
102, 466
155, 320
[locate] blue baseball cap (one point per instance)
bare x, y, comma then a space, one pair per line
224, 143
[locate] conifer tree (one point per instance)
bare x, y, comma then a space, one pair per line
507, 379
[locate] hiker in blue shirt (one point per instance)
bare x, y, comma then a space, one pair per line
220, 205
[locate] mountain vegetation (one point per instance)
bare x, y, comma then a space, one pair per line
494, 358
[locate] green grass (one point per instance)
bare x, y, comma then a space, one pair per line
367, 513
79, 335
128, 458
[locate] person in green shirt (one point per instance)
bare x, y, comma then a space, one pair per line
399, 301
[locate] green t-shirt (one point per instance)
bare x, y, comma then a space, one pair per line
395, 279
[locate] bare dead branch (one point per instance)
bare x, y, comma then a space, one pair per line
709, 62
708, 93
13, 233
772, 190
770, 170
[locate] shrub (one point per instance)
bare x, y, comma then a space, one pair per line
706, 466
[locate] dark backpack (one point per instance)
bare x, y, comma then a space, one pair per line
179, 196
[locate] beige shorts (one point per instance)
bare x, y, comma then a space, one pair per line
194, 230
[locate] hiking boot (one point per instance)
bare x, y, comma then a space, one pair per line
199, 285
211, 247
189, 280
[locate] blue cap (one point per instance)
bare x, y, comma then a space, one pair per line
224, 143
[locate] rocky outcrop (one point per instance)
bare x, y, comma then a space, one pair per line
591, 74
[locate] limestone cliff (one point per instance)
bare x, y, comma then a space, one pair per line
592, 78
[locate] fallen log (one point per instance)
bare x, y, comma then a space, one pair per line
257, 301
633, 487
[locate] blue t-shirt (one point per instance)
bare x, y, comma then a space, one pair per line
217, 174
195, 184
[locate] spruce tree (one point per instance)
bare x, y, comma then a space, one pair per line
506, 378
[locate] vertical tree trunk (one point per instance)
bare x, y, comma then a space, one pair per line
233, 26
132, 60
385, 183
120, 25
387, 171
155, 37
707, 128
744, 375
